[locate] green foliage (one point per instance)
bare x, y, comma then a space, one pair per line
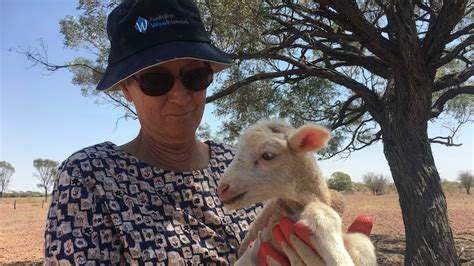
340, 181
466, 180
87, 33
6, 172
245, 18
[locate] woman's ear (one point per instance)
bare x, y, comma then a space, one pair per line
125, 87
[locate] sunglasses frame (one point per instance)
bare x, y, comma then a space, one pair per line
162, 91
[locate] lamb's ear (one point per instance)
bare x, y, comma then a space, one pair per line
309, 138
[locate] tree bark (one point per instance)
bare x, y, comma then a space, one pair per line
429, 239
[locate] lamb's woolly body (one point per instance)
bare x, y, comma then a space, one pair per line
273, 165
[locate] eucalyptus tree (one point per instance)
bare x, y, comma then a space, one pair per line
6, 172
466, 180
46, 171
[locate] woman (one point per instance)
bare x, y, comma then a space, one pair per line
152, 200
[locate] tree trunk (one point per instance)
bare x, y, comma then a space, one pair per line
46, 195
429, 239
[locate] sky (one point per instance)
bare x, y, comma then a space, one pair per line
44, 115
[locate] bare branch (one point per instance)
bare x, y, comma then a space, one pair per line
37, 58
351, 146
121, 103
449, 140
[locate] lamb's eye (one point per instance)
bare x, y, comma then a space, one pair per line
268, 156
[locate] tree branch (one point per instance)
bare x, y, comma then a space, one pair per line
121, 103
466, 30
438, 31
438, 106
453, 79
342, 113
350, 147
449, 140
369, 97
37, 58
354, 21
454, 52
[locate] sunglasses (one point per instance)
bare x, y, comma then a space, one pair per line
161, 82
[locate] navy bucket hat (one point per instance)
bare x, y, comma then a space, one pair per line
146, 33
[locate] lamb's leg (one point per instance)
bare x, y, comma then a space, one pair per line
326, 226
360, 248
267, 216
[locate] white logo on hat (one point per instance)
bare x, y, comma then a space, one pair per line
141, 25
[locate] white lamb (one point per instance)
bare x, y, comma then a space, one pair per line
274, 164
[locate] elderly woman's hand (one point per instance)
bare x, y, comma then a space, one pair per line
299, 244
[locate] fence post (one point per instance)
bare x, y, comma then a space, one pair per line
14, 204
42, 203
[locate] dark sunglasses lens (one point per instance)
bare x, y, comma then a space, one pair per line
197, 79
156, 84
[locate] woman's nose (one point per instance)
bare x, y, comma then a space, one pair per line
178, 93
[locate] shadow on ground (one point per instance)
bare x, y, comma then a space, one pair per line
391, 249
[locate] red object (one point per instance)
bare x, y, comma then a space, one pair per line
267, 250
303, 232
287, 227
281, 231
277, 235
362, 224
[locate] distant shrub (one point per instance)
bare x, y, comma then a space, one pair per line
359, 187
377, 183
22, 194
450, 187
466, 180
340, 181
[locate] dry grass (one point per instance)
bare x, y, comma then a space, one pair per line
21, 230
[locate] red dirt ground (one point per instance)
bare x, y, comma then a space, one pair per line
21, 230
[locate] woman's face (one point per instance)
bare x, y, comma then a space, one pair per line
175, 115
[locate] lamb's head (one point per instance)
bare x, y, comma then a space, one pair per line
270, 162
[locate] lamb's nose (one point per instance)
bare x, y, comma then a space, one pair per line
222, 189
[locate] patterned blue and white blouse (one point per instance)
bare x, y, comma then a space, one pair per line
108, 207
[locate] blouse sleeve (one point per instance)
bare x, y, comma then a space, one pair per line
78, 228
